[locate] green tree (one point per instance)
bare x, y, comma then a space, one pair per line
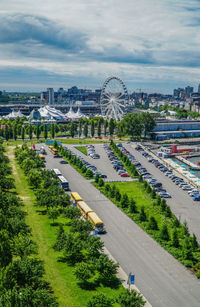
101, 182
6, 133
164, 234
30, 131
132, 206
72, 129
148, 122
53, 213
82, 271
175, 240
5, 249
131, 298
80, 128
142, 216
45, 131
194, 242
152, 224
85, 129
38, 131
23, 246
105, 126
22, 133
111, 126
124, 201
99, 128
99, 300
92, 127
52, 131
15, 132
34, 178
106, 267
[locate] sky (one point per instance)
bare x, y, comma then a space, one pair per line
153, 45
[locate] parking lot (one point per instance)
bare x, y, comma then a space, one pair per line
182, 205
103, 164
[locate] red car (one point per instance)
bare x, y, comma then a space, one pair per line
124, 175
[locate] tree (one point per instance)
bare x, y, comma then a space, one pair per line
153, 194
72, 129
99, 300
45, 131
148, 122
152, 224
142, 215
163, 205
82, 271
106, 267
53, 213
117, 195
99, 128
164, 234
195, 244
34, 178
30, 132
111, 126
15, 132
131, 298
105, 127
22, 133
52, 131
101, 182
175, 240
5, 249
85, 130
80, 128
92, 127
6, 133
124, 201
132, 206
38, 131
23, 246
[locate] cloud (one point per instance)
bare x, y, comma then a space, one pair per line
144, 39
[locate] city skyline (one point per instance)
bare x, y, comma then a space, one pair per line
150, 45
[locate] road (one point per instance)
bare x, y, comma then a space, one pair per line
103, 164
161, 278
181, 204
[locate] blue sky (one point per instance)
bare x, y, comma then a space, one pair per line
150, 44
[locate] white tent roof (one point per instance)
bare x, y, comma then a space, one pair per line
51, 113
14, 114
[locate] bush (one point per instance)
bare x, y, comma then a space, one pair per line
142, 215
89, 174
132, 206
164, 234
124, 201
131, 298
152, 224
99, 300
101, 182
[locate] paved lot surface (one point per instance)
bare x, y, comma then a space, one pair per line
161, 278
181, 203
103, 164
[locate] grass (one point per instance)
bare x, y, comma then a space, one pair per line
58, 274
83, 149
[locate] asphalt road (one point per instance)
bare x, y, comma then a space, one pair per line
181, 204
161, 278
103, 164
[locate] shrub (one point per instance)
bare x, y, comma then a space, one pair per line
142, 215
175, 240
101, 182
132, 206
152, 224
99, 300
164, 234
124, 201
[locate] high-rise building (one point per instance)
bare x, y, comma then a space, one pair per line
188, 91
199, 88
50, 95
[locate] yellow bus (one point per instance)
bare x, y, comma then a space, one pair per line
41, 156
75, 198
53, 150
96, 222
84, 208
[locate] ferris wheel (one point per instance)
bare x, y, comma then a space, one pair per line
114, 98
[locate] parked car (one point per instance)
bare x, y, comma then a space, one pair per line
165, 195
124, 175
63, 162
196, 198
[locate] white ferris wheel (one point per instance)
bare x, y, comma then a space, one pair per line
114, 98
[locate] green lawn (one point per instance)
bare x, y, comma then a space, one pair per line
83, 149
58, 274
142, 198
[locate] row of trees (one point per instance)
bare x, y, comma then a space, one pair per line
157, 219
22, 274
77, 247
138, 125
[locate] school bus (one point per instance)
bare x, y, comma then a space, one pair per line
53, 150
84, 208
75, 197
96, 222
41, 156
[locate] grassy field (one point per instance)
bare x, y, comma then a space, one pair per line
142, 198
58, 274
83, 149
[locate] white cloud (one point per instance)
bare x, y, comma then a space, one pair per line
167, 33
